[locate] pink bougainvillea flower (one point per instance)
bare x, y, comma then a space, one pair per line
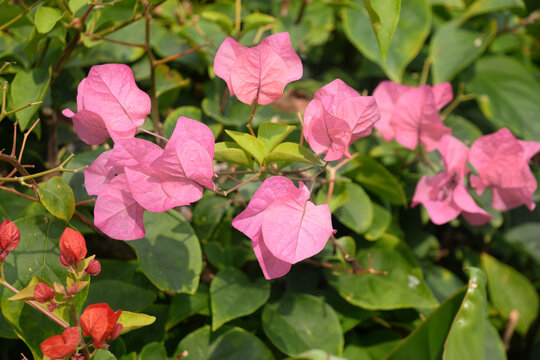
411, 115
283, 225
117, 213
101, 323
98, 175
109, 103
60, 346
260, 72
336, 118
502, 162
444, 195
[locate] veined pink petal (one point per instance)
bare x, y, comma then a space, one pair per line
487, 147
134, 153
416, 119
88, 125
294, 231
511, 198
187, 129
249, 221
261, 72
436, 198
367, 112
474, 214
443, 94
116, 212
454, 154
387, 94
98, 175
271, 266
110, 91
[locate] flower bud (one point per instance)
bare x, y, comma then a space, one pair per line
9, 236
72, 247
43, 293
60, 346
100, 322
52, 306
93, 268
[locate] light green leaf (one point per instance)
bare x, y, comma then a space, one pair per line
255, 20
402, 287
299, 322
508, 95
526, 237
75, 5
169, 254
292, 152
46, 18
381, 221
153, 351
479, 7
357, 212
102, 354
232, 153
384, 16
233, 295
452, 4
377, 179
315, 354
272, 134
250, 144
509, 290
412, 29
454, 47
57, 197
131, 321
28, 86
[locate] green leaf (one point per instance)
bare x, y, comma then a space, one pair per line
168, 79
441, 281
185, 305
455, 4
76, 5
238, 344
463, 129
384, 16
232, 153
526, 237
46, 18
126, 296
207, 214
299, 322
272, 134
315, 354
28, 86
479, 7
455, 46
507, 94
381, 221
256, 20
132, 321
236, 113
250, 144
292, 152
340, 196
191, 112
225, 256
373, 345
233, 295
402, 287
510, 290
196, 343
377, 179
412, 29
57, 197
357, 212
169, 254
219, 18
102, 354
153, 351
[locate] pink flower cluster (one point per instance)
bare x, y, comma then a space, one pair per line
285, 227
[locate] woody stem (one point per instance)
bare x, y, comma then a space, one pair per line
84, 348
251, 119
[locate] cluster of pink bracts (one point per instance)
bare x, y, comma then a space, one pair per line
284, 225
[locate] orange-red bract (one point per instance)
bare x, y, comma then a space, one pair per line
100, 322
60, 346
72, 247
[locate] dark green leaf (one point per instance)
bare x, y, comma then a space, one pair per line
526, 237
169, 254
125, 296
381, 221
233, 295
300, 322
185, 305
153, 351
28, 86
357, 212
237, 344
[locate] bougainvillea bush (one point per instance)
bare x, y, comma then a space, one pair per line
269, 179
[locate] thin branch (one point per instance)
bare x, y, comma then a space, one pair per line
154, 134
251, 117
26, 134
225, 193
180, 54
17, 17
461, 97
425, 71
11, 190
119, 42
513, 319
13, 161
328, 266
238, 16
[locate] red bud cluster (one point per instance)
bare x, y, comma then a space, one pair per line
72, 247
43, 293
100, 322
9, 238
93, 268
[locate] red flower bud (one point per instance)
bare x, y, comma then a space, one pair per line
43, 293
60, 346
100, 322
72, 247
93, 268
52, 306
9, 236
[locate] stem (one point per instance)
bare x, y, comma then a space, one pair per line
328, 266
458, 100
119, 42
239, 185
333, 172
176, 56
4, 67
238, 16
425, 71
61, 168
251, 118
84, 349
513, 319
154, 134
13, 161
26, 134
301, 12
301, 128
36, 306
19, 193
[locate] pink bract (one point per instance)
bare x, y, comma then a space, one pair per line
109, 103
411, 115
260, 72
444, 195
336, 118
502, 162
283, 225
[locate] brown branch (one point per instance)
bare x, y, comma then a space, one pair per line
176, 56
13, 161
